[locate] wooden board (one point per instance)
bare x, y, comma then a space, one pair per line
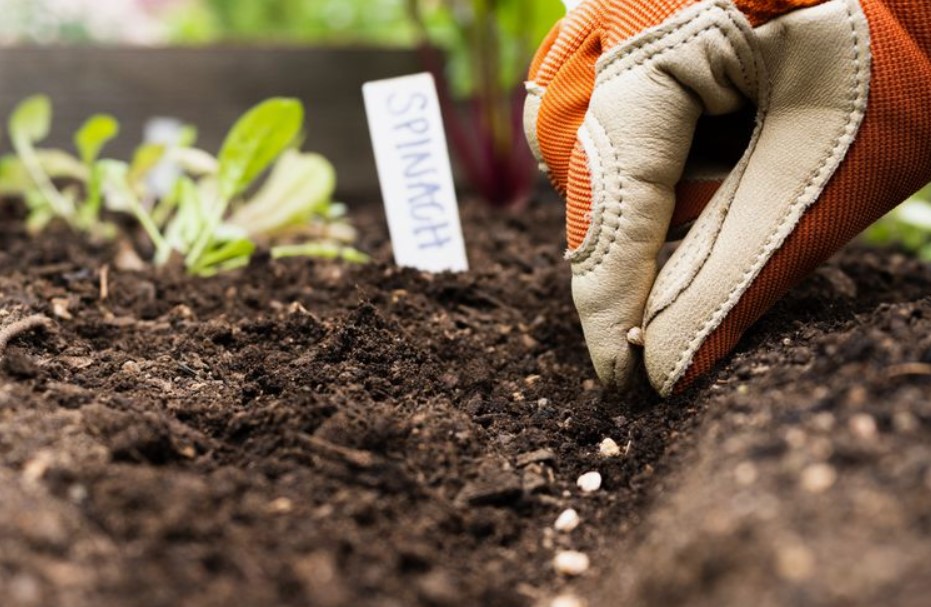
209, 87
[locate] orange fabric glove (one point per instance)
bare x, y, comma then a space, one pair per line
841, 93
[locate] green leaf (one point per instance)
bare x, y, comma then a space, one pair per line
38, 219
300, 187
114, 183
145, 158
321, 250
95, 133
15, 177
188, 136
194, 161
31, 121
255, 141
226, 256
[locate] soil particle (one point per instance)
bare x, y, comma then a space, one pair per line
308, 433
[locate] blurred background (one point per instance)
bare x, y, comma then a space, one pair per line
205, 61
161, 22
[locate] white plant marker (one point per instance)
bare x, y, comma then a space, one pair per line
416, 177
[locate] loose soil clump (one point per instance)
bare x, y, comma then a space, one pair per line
310, 433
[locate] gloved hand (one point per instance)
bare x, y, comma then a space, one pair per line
841, 91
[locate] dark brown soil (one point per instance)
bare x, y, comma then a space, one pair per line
310, 433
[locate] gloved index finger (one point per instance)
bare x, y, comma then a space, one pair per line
647, 99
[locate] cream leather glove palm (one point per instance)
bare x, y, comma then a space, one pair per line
841, 90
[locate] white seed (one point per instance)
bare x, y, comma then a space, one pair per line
864, 427
567, 600
818, 478
570, 562
635, 337
567, 521
589, 482
609, 448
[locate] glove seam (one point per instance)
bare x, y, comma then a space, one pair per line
656, 36
599, 241
859, 94
592, 252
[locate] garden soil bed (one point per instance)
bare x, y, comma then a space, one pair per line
309, 433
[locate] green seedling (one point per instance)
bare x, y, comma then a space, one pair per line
90, 140
32, 173
208, 217
30, 124
251, 146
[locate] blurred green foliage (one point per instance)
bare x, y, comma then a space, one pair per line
486, 49
908, 226
510, 29
291, 21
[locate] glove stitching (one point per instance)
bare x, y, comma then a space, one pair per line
593, 251
686, 359
706, 228
599, 242
608, 60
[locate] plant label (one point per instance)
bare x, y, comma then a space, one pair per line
415, 173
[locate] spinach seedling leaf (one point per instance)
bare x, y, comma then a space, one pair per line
226, 256
93, 135
15, 178
117, 189
321, 250
299, 188
255, 141
146, 157
31, 121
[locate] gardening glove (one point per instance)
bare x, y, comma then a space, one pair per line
841, 94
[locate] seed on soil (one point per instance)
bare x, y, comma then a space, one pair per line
568, 521
572, 563
589, 482
567, 600
864, 427
635, 337
818, 478
609, 448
